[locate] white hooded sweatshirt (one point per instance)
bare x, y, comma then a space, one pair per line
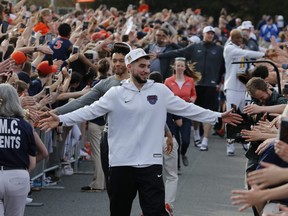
136, 120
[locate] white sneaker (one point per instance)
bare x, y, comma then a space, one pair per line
28, 200
49, 182
230, 149
204, 147
204, 144
67, 170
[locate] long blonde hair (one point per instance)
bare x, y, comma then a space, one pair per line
41, 13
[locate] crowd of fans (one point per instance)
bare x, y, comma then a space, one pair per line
51, 59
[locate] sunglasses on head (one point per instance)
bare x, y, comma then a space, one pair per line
180, 59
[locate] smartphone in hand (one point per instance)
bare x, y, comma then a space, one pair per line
48, 37
50, 59
75, 49
283, 130
5, 26
47, 90
42, 40
85, 26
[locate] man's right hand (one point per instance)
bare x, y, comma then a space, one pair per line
50, 122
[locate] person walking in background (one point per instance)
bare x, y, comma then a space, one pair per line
17, 153
94, 131
182, 84
209, 60
135, 143
161, 45
234, 89
170, 174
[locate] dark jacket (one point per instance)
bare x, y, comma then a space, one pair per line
165, 63
209, 61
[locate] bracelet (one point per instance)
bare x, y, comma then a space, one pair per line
26, 114
35, 49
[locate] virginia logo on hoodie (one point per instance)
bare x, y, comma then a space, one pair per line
152, 99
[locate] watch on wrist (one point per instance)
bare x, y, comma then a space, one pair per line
35, 49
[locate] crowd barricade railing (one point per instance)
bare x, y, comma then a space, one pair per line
83, 146
61, 154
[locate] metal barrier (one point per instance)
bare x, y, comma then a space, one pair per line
269, 62
56, 150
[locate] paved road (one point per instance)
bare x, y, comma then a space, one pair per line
204, 188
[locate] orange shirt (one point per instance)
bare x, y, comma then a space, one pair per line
143, 8
41, 27
187, 92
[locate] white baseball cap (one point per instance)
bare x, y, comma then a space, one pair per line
91, 54
280, 17
135, 54
208, 29
247, 24
194, 39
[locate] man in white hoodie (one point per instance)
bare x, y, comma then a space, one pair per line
136, 116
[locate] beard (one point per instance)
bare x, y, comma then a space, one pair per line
118, 70
138, 79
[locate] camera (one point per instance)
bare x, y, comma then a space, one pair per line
234, 132
89, 55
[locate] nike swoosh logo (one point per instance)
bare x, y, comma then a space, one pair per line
127, 101
159, 176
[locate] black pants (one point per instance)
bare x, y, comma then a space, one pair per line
104, 151
125, 182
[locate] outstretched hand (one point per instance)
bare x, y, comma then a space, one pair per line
50, 122
231, 118
269, 176
247, 198
281, 149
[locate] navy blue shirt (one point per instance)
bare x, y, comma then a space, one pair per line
61, 48
16, 142
171, 122
35, 87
